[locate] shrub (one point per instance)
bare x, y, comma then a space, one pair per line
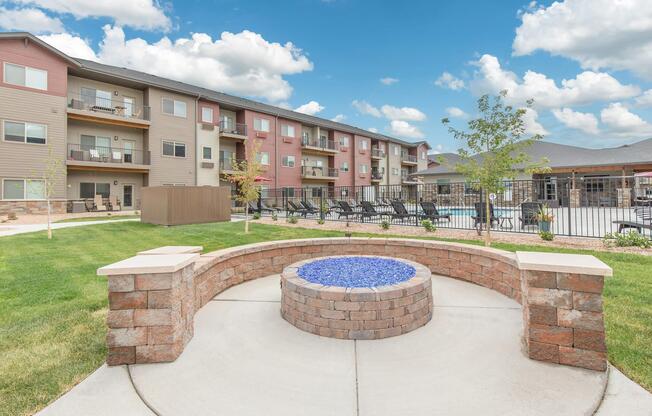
348, 224
274, 216
256, 216
292, 219
320, 221
546, 235
384, 224
428, 226
630, 239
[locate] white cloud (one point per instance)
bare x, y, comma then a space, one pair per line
596, 33
30, 20
373, 129
240, 63
437, 150
404, 129
456, 112
645, 99
388, 81
402, 113
365, 108
532, 126
587, 87
311, 108
339, 118
585, 122
71, 45
448, 80
623, 122
139, 14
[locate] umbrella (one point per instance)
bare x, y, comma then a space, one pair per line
261, 179
644, 174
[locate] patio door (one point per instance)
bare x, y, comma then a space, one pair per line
127, 196
129, 151
550, 189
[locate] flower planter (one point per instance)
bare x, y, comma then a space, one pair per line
544, 226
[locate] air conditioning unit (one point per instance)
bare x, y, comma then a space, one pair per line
206, 126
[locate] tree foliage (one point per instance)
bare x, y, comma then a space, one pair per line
244, 176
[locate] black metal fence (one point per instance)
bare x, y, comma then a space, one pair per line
585, 207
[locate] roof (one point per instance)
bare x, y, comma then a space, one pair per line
84, 66
566, 156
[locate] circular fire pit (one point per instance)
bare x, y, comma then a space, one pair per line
356, 297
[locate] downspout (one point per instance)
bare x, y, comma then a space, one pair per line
277, 166
197, 150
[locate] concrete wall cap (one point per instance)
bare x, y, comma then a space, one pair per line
562, 263
173, 250
149, 264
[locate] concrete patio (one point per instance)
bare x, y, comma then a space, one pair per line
245, 359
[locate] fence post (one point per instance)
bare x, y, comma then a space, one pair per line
571, 186
321, 204
260, 199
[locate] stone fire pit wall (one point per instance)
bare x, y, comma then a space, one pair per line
152, 297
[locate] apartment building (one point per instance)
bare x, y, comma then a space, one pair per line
117, 130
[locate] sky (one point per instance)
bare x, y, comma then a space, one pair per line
394, 68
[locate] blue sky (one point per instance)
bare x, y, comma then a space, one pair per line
341, 50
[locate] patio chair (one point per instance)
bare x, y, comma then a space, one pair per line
529, 213
400, 212
431, 213
95, 155
264, 207
114, 204
368, 210
643, 220
90, 205
346, 210
116, 157
99, 203
310, 207
480, 216
293, 208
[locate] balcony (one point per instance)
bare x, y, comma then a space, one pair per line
230, 130
318, 146
376, 175
377, 153
102, 110
228, 165
107, 159
319, 173
407, 159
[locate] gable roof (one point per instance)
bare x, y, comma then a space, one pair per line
565, 156
32, 38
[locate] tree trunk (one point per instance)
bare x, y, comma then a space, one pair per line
49, 221
246, 218
487, 237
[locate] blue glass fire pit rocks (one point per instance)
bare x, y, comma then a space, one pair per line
356, 271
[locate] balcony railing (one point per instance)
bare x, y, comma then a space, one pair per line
375, 152
229, 163
229, 127
376, 174
88, 153
408, 158
108, 106
321, 143
319, 172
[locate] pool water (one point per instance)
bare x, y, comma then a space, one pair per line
356, 271
470, 212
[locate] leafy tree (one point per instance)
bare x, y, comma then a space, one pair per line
493, 149
244, 176
54, 171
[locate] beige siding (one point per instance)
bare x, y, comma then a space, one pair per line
208, 138
22, 160
75, 85
118, 134
393, 162
167, 169
77, 177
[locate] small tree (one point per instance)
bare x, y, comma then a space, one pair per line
53, 172
244, 176
493, 147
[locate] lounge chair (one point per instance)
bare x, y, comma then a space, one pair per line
264, 207
90, 205
114, 204
480, 216
99, 203
431, 213
400, 212
353, 203
346, 210
529, 213
310, 207
368, 210
293, 208
644, 220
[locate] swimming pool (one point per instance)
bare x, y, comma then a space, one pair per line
470, 212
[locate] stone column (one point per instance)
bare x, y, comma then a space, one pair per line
624, 197
575, 197
562, 308
151, 307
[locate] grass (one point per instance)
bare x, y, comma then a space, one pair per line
104, 218
53, 306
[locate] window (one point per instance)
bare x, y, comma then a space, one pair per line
344, 141
206, 115
344, 167
24, 189
443, 186
128, 106
423, 155
288, 161
174, 149
207, 153
363, 144
288, 192
25, 132
469, 190
25, 76
174, 107
395, 171
363, 168
88, 190
287, 130
381, 146
397, 150
263, 158
261, 124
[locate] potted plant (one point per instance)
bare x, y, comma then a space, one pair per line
545, 218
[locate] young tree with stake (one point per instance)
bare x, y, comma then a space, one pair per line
245, 176
494, 149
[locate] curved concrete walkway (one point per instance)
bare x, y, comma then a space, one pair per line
245, 360
7, 230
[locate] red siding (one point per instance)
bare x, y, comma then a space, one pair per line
362, 157
344, 155
289, 146
214, 106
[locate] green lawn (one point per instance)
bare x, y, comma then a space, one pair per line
53, 306
104, 218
